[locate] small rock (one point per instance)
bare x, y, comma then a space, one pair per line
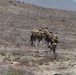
16, 64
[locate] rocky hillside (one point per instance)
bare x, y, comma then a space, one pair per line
17, 19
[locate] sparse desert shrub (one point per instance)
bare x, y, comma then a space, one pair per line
15, 4
3, 54
50, 16
75, 34
63, 20
43, 17
12, 72
17, 44
14, 58
23, 2
33, 18
18, 1
57, 74
10, 1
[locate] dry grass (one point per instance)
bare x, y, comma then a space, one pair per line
16, 22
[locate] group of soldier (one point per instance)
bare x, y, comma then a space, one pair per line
44, 34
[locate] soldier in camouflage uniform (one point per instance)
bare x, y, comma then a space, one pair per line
36, 35
54, 42
45, 30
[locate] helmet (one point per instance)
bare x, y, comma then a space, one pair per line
46, 27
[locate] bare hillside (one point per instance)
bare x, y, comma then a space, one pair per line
18, 56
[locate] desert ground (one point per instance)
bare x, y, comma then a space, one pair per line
18, 57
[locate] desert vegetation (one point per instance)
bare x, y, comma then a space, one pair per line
18, 57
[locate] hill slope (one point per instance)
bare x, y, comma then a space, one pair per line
17, 20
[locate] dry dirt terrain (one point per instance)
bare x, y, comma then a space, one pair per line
18, 57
